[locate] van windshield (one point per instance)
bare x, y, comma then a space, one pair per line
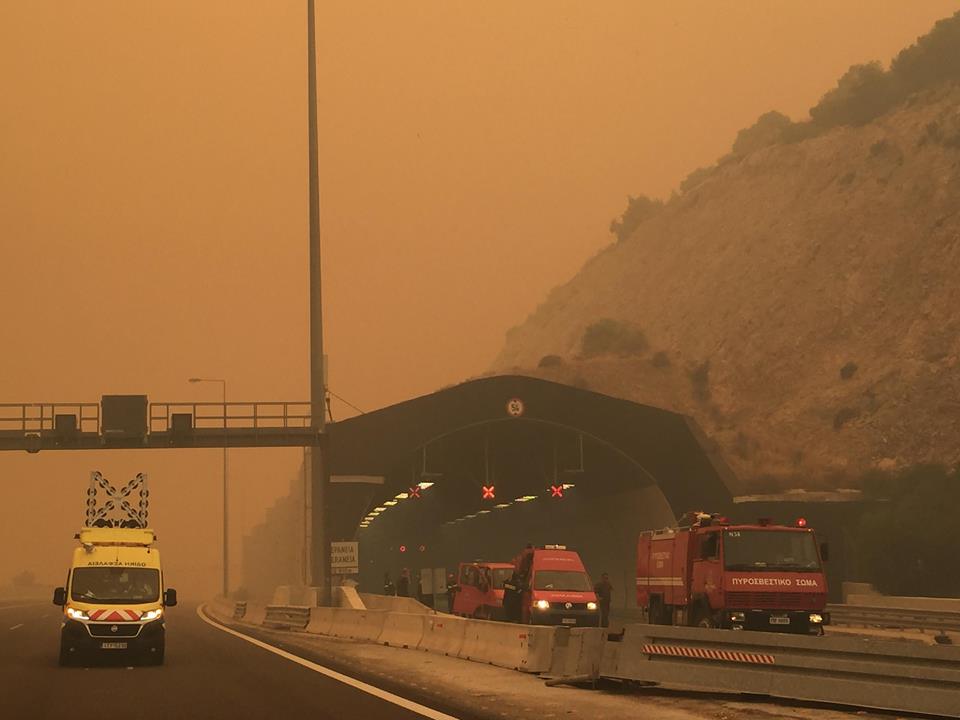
115, 585
770, 550
571, 580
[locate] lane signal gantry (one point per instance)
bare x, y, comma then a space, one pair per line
556, 491
414, 492
489, 492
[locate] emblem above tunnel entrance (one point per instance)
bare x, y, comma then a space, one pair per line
515, 407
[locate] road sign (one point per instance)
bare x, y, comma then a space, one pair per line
345, 558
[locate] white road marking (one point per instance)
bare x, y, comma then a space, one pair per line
333, 674
17, 626
14, 607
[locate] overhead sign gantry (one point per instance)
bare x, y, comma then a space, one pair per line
131, 421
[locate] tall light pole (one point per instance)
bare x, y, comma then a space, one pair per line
320, 552
226, 537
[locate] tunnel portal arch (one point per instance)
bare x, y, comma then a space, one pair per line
398, 443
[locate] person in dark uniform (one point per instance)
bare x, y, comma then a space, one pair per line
604, 591
511, 598
403, 584
388, 586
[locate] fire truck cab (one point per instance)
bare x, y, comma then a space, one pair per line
479, 589
708, 572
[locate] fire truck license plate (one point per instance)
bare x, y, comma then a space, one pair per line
113, 646
779, 620
569, 621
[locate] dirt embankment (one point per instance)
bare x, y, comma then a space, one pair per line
801, 302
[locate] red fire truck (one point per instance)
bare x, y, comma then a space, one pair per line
708, 572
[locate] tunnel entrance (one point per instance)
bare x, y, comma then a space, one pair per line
478, 470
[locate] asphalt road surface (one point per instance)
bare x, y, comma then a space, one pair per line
210, 672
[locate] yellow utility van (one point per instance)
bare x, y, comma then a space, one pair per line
114, 599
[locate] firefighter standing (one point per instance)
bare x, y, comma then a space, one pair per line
403, 584
604, 591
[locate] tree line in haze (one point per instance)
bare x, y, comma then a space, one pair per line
863, 93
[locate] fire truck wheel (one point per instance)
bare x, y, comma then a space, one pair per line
704, 619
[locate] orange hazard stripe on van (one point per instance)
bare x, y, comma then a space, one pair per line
708, 654
114, 615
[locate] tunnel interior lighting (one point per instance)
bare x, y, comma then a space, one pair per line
501, 506
526, 498
401, 496
567, 486
425, 485
379, 509
482, 512
390, 503
469, 517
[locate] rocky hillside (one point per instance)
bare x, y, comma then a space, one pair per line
801, 301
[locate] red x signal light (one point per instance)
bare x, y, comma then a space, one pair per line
414, 492
556, 491
489, 492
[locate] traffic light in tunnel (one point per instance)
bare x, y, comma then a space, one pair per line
489, 492
556, 491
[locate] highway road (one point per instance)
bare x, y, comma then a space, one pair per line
210, 673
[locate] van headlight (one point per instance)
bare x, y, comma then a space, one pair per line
152, 614
75, 614
591, 606
542, 605
816, 618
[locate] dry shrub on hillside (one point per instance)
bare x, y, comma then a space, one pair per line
639, 210
612, 337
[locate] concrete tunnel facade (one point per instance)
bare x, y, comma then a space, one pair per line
622, 467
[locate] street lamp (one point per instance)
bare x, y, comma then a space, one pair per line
226, 555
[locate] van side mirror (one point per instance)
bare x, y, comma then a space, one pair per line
60, 596
170, 597
824, 552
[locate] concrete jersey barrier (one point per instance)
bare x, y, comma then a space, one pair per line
403, 630
394, 604
577, 652
321, 620
357, 624
443, 634
518, 647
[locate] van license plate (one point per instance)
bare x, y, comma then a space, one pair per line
113, 646
779, 620
569, 621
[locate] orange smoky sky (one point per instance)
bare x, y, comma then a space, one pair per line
153, 198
